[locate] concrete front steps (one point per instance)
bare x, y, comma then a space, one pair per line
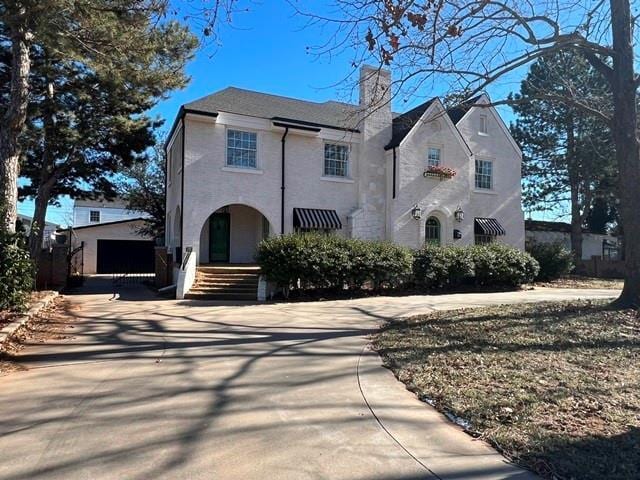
225, 282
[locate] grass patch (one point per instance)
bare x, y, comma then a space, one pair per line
554, 386
577, 281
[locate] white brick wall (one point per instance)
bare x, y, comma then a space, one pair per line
440, 198
376, 131
504, 203
362, 201
210, 184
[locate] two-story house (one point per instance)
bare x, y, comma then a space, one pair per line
243, 165
92, 212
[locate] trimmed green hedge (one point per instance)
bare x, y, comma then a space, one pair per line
319, 261
555, 260
16, 273
314, 260
498, 264
440, 267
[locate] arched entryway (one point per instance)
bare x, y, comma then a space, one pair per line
232, 233
432, 231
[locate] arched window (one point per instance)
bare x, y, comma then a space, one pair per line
432, 231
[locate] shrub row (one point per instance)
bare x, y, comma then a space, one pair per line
327, 261
16, 273
487, 265
554, 259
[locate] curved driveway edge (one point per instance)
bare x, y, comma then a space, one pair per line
151, 388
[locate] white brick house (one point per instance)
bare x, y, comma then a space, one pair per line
242, 165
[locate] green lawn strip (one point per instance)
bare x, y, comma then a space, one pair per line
554, 386
577, 281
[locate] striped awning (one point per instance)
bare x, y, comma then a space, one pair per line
488, 226
316, 219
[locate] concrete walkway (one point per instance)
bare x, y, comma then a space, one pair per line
151, 389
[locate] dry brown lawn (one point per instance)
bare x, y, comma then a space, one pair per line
554, 386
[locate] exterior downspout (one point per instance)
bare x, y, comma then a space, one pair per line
393, 176
282, 186
184, 134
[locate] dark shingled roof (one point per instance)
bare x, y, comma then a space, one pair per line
547, 226
402, 124
456, 113
330, 114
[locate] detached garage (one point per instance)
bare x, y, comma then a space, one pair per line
115, 247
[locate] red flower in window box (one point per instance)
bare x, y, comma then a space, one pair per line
438, 171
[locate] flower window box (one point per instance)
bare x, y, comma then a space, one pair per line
443, 173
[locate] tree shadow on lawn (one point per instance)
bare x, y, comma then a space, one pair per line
592, 458
566, 372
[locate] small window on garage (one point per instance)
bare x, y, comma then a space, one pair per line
94, 216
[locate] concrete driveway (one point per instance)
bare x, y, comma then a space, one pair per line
150, 389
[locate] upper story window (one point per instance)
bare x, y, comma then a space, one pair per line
482, 128
242, 149
434, 157
94, 215
336, 160
484, 174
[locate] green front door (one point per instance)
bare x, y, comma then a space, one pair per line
219, 237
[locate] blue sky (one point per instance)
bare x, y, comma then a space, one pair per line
265, 49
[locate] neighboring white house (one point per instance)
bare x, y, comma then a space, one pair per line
91, 212
593, 244
243, 165
49, 231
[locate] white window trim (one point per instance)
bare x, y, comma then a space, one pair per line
250, 170
226, 149
339, 178
493, 175
484, 191
439, 147
485, 132
328, 178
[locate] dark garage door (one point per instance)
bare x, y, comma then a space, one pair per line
125, 256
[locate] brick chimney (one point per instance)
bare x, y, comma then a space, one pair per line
376, 130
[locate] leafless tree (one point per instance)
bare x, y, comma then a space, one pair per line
99, 32
470, 44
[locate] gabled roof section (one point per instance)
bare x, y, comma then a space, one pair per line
404, 123
456, 113
100, 202
331, 114
106, 224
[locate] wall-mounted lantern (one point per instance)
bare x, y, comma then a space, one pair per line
458, 214
416, 212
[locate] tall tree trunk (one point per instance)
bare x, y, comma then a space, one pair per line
574, 182
48, 176
625, 123
36, 233
13, 123
576, 222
